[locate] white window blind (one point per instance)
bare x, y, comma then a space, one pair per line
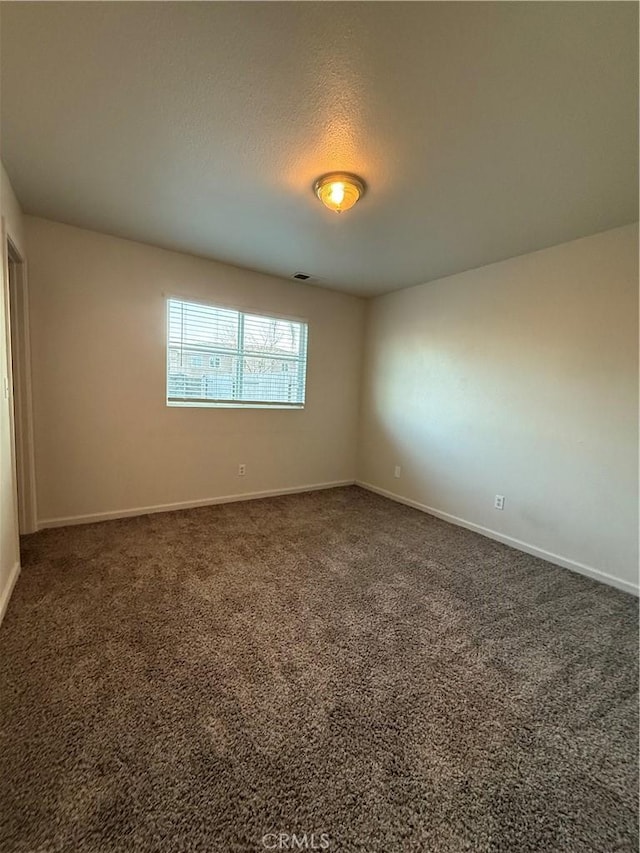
219, 356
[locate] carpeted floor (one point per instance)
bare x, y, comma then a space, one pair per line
328, 663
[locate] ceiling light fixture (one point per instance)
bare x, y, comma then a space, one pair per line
339, 190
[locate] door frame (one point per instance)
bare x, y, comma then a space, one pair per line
16, 304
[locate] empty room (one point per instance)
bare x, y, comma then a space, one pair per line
319, 427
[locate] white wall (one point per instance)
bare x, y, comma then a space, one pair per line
105, 440
519, 379
12, 226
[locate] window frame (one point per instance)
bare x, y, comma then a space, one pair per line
196, 403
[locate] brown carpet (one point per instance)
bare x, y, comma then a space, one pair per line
322, 663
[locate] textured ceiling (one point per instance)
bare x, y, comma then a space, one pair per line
484, 130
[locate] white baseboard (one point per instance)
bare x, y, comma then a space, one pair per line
558, 560
5, 595
149, 510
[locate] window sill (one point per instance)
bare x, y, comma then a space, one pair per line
197, 405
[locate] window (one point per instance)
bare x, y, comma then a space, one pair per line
221, 357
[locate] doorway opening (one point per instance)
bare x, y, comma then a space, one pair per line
20, 378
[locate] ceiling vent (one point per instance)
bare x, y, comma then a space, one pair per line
301, 276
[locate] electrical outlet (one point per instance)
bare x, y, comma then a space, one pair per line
396, 471
499, 502
242, 470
